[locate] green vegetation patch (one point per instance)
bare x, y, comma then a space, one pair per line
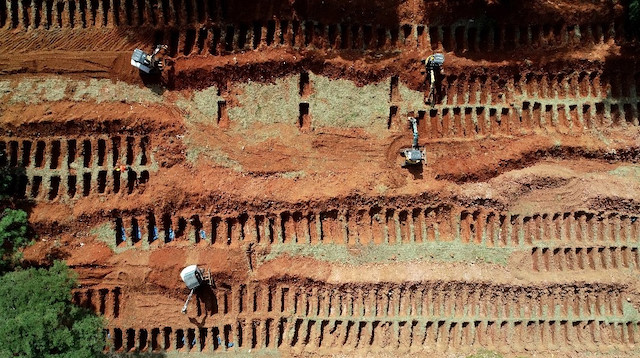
206, 102
340, 103
24, 93
221, 158
105, 233
52, 89
37, 315
629, 312
483, 353
216, 155
5, 88
107, 91
362, 254
13, 237
33, 91
627, 171
38, 319
293, 175
267, 103
411, 100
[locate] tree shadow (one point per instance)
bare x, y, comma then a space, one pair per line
14, 181
13, 184
13, 187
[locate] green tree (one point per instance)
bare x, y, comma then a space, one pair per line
38, 319
6, 183
633, 15
10, 182
13, 237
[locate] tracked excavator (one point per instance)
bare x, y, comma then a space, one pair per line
148, 63
433, 66
194, 277
415, 155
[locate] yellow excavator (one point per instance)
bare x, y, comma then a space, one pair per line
433, 67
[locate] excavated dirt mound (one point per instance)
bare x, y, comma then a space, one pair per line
267, 153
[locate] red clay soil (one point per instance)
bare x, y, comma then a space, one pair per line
540, 219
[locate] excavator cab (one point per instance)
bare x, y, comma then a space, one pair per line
416, 154
148, 63
437, 59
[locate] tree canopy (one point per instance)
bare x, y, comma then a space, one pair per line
38, 319
7, 183
13, 237
37, 316
633, 16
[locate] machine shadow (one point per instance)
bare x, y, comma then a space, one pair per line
417, 171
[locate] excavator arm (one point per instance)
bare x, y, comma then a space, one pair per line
414, 155
433, 64
432, 86
157, 50
414, 127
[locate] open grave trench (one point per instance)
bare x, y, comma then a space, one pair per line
409, 300
431, 316
306, 316
564, 103
482, 104
301, 317
612, 234
103, 300
198, 27
500, 102
596, 99
66, 168
376, 336
221, 38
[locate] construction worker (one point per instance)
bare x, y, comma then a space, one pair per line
433, 68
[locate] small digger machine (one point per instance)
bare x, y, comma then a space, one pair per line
194, 277
148, 63
433, 67
415, 155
